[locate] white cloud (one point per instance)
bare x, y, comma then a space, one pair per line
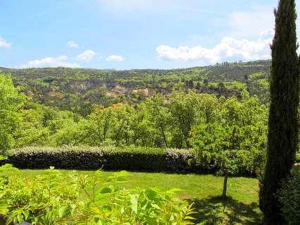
115, 58
267, 33
72, 44
87, 55
60, 61
251, 23
131, 5
4, 43
227, 49
248, 37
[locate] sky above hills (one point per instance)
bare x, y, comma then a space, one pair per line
125, 34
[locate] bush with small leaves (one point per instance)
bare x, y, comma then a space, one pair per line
289, 198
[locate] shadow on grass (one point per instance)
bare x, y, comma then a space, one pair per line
220, 211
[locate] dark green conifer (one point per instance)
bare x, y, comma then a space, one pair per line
283, 132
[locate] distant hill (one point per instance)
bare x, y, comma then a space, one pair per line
231, 71
72, 88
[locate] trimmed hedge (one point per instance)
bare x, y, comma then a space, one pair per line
113, 158
107, 158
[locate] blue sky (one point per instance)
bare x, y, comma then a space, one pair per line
125, 34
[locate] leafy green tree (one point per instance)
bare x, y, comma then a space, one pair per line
183, 107
98, 126
66, 129
11, 102
142, 131
71, 133
160, 117
234, 141
33, 129
121, 126
218, 149
283, 121
42, 125
208, 107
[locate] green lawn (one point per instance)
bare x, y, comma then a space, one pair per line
203, 191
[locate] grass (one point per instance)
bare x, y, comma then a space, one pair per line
201, 190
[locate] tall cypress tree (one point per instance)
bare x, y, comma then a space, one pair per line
283, 132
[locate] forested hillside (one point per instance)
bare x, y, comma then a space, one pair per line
79, 90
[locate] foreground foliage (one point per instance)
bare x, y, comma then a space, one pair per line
52, 198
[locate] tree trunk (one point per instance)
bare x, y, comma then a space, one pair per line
224, 194
162, 131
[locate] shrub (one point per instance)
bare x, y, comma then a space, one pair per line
289, 197
107, 158
44, 200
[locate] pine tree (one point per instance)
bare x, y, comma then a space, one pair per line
283, 132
